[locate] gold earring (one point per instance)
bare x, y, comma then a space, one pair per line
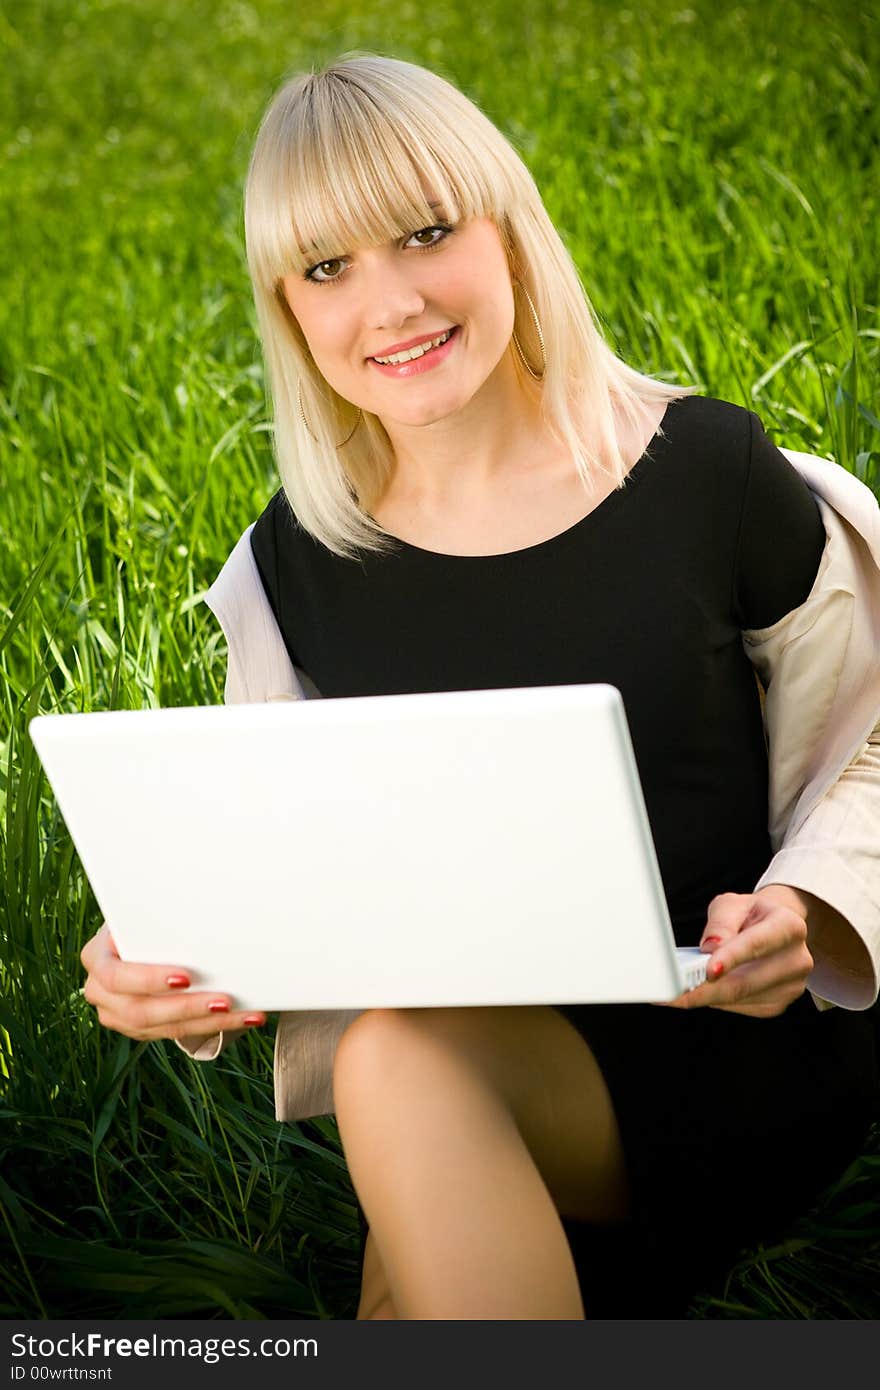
537, 375
306, 423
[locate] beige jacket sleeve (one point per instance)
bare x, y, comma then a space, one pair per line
206, 1047
257, 670
836, 857
819, 669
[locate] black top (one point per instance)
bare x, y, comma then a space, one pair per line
714, 531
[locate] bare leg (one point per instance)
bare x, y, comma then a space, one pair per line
467, 1132
375, 1302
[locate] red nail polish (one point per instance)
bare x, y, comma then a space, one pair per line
711, 941
218, 1006
253, 1020
177, 981
716, 969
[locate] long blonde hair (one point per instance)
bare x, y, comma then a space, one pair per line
340, 158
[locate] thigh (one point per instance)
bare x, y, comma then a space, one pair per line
543, 1070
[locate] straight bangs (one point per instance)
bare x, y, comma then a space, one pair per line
347, 170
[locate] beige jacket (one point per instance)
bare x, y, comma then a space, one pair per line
818, 669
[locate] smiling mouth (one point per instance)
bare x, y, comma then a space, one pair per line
412, 354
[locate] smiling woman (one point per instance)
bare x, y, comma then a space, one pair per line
453, 437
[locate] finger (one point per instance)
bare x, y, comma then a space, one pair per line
212, 1024
133, 977
151, 1019
187, 1028
780, 929
726, 915
102, 961
208, 1025
96, 947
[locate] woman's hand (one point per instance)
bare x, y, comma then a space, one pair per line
760, 960
147, 1001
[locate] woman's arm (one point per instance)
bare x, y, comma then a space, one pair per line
830, 870
258, 669
817, 669
813, 919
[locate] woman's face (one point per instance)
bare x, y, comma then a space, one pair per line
381, 300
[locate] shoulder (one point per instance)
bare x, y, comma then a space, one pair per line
732, 447
276, 526
710, 422
273, 512
707, 455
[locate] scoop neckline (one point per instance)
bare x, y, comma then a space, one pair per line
561, 536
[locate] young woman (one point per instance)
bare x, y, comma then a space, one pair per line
477, 492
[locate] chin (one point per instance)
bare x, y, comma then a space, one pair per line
420, 418
428, 412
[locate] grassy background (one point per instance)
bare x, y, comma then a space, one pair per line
714, 170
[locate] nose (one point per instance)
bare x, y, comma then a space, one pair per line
391, 296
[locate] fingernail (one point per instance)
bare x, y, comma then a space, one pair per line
177, 981
715, 969
711, 941
253, 1020
218, 1006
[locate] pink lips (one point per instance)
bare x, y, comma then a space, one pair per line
432, 358
411, 342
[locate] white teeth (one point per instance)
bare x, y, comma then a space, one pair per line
415, 352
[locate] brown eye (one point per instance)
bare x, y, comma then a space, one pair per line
322, 266
440, 232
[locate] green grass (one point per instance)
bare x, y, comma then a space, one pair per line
714, 170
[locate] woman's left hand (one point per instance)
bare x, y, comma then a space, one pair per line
760, 961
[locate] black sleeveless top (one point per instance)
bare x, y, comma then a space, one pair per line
713, 532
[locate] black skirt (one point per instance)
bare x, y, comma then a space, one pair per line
732, 1127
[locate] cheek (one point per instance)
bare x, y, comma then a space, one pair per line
324, 336
313, 319
479, 293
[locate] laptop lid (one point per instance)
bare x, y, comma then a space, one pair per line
459, 847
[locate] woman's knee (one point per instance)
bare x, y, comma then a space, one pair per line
530, 1058
385, 1048
369, 1040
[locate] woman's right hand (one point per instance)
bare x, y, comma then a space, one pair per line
148, 1001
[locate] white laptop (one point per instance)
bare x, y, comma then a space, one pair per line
461, 847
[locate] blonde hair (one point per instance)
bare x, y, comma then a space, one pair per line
340, 158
